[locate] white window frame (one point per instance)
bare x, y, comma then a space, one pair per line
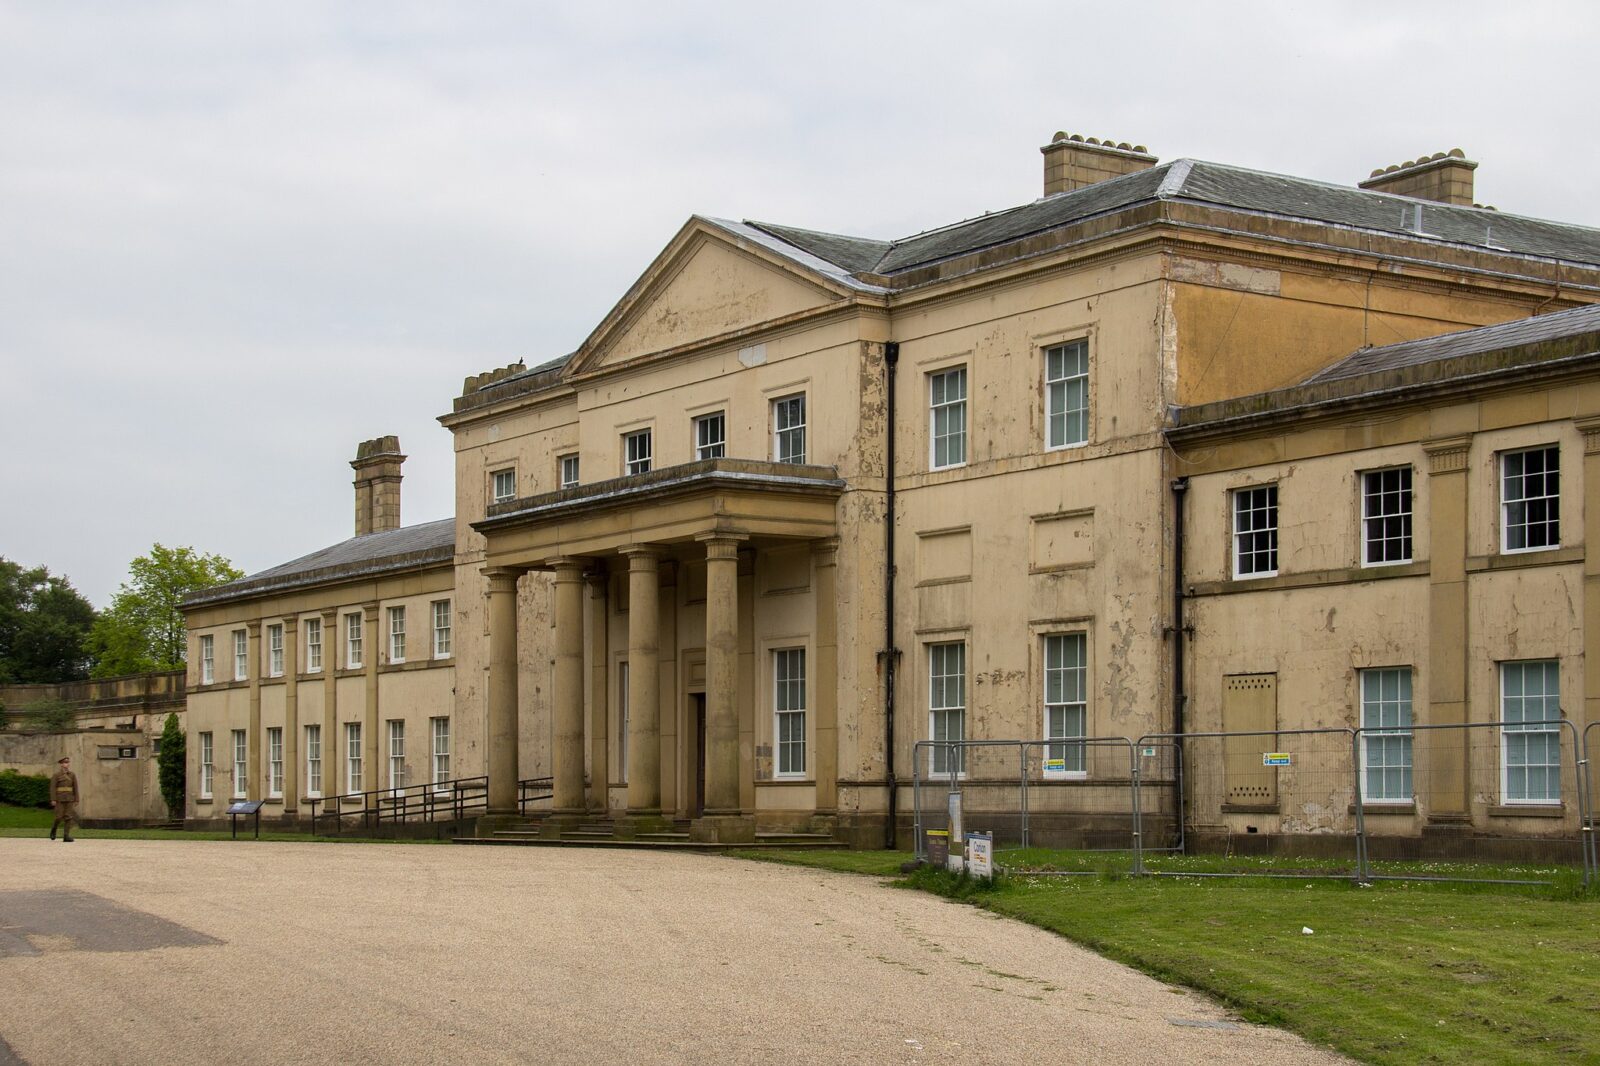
207, 771
208, 659
788, 712
439, 730
314, 761
1065, 365
441, 628
397, 754
568, 470
397, 634
947, 404
1550, 498
943, 712
275, 762
638, 451
789, 429
354, 771
1381, 526
1388, 711
711, 435
354, 641
1254, 500
503, 484
241, 764
1066, 703
241, 655
313, 628
275, 650
1514, 709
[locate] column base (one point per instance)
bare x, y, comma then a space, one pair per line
631, 825
723, 829
488, 824
555, 826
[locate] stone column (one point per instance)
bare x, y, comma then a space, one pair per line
599, 677
722, 674
332, 742
1590, 428
1449, 776
567, 689
291, 715
823, 682
371, 643
644, 701
503, 733
254, 768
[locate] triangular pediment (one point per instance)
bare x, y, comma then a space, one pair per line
704, 285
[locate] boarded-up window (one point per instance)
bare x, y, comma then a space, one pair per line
1249, 704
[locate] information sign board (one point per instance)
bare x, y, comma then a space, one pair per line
980, 854
1275, 758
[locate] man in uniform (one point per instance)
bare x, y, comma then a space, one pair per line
64, 798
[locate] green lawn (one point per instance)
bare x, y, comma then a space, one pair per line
35, 822
1400, 972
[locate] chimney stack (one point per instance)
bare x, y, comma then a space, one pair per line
1071, 162
377, 466
1444, 177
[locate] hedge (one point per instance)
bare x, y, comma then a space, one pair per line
24, 790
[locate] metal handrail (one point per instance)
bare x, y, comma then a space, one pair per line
532, 790
428, 802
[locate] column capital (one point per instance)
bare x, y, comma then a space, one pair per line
291, 623
826, 551
330, 616
1447, 455
721, 545
640, 556
597, 580
254, 627
501, 578
567, 567
370, 610
1590, 428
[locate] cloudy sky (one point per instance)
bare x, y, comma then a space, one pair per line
238, 238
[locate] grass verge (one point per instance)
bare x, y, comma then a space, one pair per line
1399, 972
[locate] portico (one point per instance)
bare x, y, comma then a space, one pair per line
631, 537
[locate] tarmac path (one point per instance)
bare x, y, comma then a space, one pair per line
156, 952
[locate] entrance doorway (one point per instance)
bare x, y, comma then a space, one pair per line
697, 792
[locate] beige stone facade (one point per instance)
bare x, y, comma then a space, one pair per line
675, 586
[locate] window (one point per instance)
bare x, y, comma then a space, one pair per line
622, 722
313, 760
275, 761
569, 470
352, 642
397, 634
206, 771
352, 757
1386, 755
441, 629
241, 760
505, 484
1530, 707
710, 436
947, 418
397, 754
208, 659
947, 704
441, 749
1255, 531
1386, 516
789, 429
275, 650
313, 645
1066, 711
1066, 395
789, 707
241, 655
1530, 499
636, 452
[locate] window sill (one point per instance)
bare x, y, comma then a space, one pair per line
205, 801
1477, 564
1530, 810
1369, 809
790, 781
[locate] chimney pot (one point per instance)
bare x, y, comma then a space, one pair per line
1072, 161
1443, 177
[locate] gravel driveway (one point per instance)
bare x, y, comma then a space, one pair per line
218, 952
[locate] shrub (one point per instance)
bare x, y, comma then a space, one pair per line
173, 766
51, 716
24, 790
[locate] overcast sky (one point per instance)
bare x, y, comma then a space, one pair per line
238, 238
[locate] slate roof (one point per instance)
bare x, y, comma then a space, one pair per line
410, 547
1524, 331
1197, 181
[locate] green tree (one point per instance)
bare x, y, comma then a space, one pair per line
44, 627
173, 766
142, 631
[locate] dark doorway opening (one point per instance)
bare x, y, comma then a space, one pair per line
697, 709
